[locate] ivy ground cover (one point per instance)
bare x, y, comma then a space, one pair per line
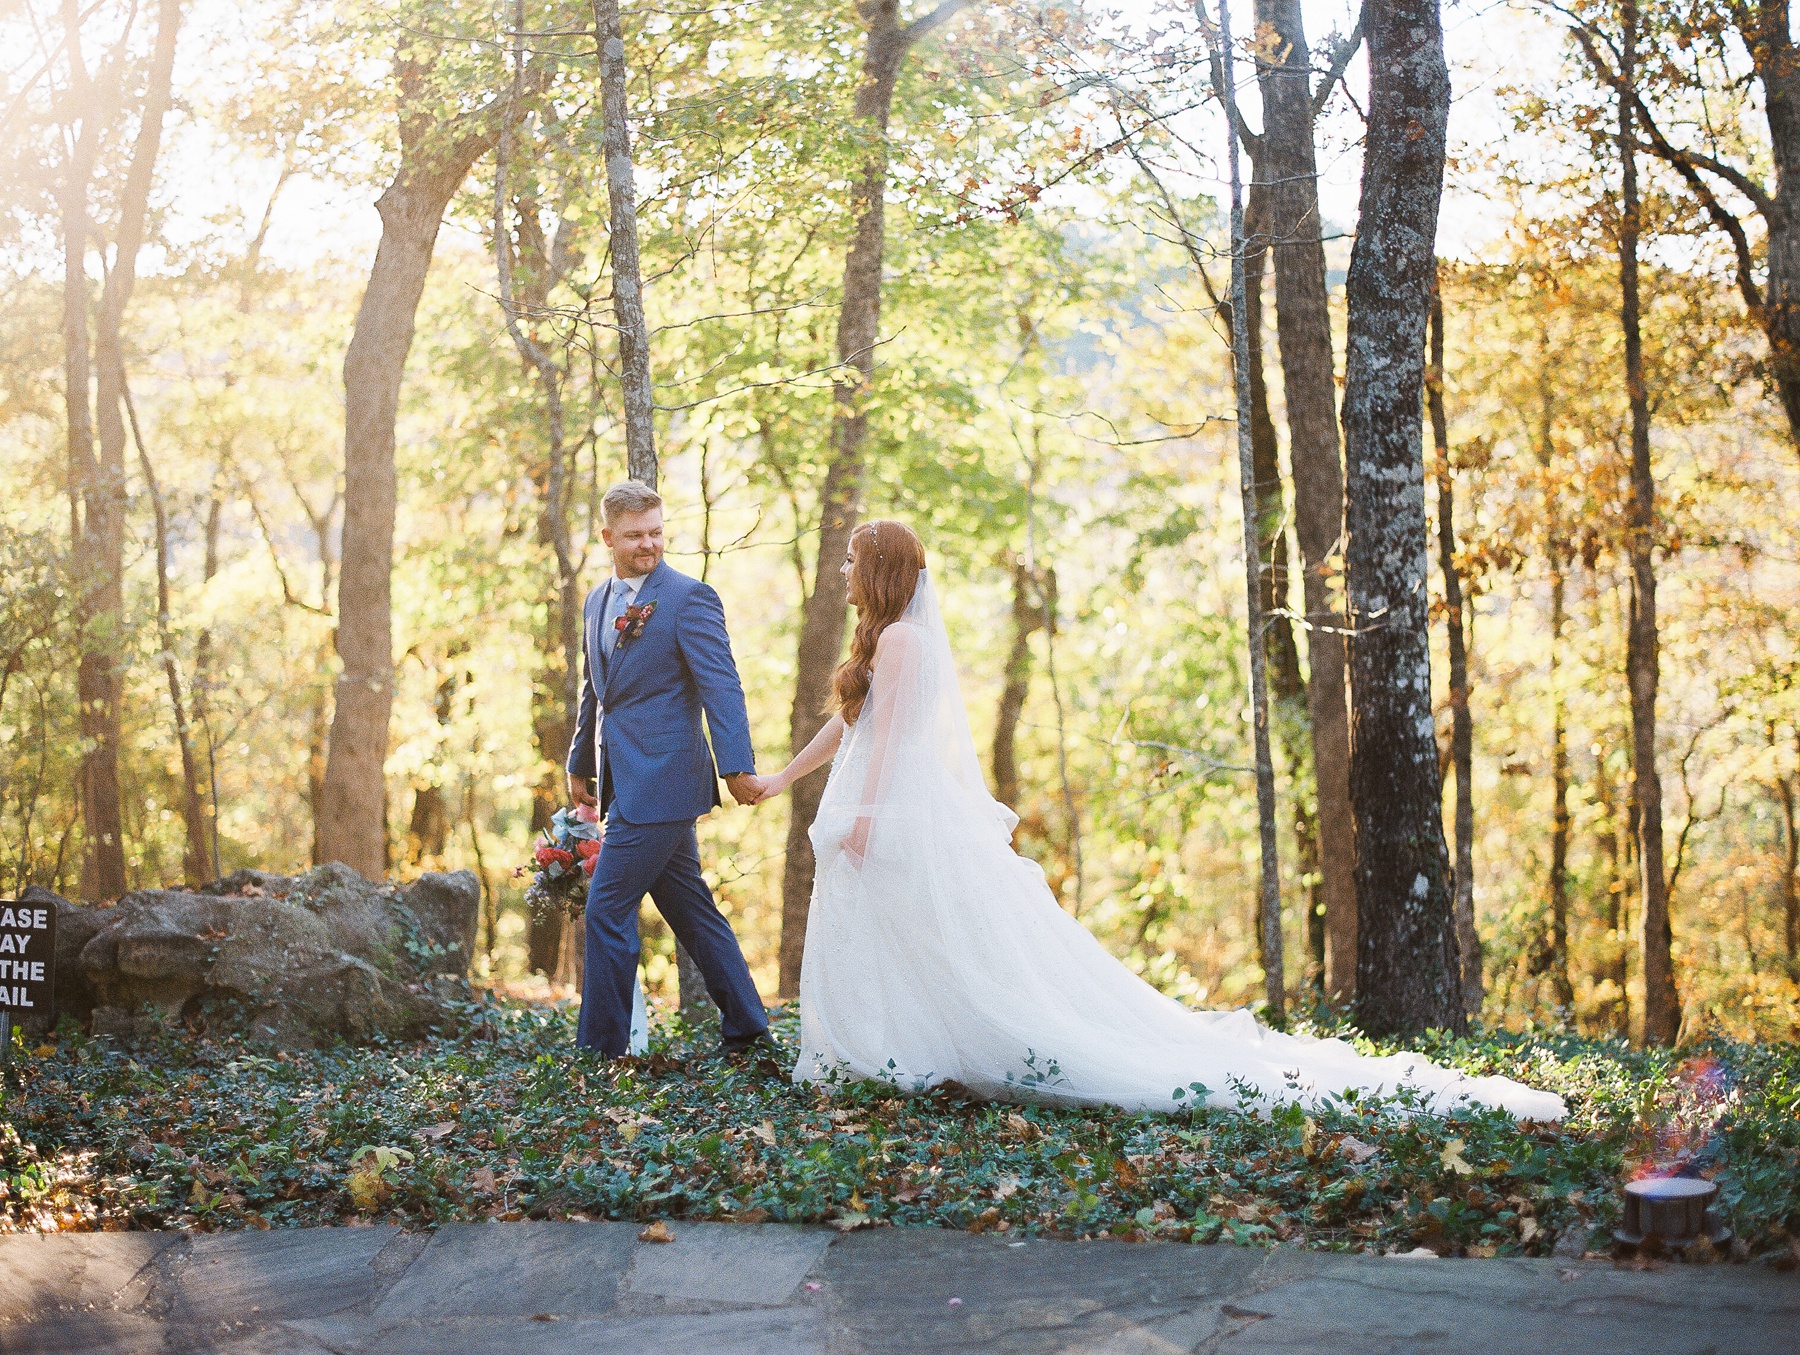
505, 1120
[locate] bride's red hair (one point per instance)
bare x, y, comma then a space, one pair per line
889, 556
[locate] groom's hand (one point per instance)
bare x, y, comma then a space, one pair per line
578, 790
745, 787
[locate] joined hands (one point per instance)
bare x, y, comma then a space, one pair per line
747, 788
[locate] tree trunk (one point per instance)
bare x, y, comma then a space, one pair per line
1282, 658
103, 864
1767, 30
1408, 973
1555, 949
1287, 164
1559, 798
111, 410
556, 688
627, 278
1244, 321
196, 863
1790, 875
634, 342
434, 160
428, 833
1034, 598
823, 612
100, 674
1287, 688
1662, 1005
1612, 960
1462, 738
203, 679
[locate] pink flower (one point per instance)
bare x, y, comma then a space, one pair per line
588, 864
587, 813
587, 849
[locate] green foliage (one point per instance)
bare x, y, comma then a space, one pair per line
508, 1121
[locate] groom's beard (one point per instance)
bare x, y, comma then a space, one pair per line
637, 564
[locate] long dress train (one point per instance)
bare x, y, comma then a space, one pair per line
943, 955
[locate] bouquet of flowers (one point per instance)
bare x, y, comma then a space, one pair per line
564, 857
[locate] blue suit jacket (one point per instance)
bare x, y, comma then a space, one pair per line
654, 759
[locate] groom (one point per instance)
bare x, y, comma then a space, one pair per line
655, 655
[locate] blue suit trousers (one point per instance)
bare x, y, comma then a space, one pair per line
663, 861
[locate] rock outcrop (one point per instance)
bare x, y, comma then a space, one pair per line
295, 962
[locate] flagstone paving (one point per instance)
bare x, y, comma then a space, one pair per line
721, 1289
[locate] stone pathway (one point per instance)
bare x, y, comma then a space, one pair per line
722, 1289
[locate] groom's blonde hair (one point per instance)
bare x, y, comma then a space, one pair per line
628, 496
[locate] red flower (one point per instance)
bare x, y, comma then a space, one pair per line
588, 864
587, 849
548, 855
631, 625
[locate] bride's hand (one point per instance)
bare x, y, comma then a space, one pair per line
856, 845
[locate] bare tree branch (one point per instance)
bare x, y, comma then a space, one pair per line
1341, 55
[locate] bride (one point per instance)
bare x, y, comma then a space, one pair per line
934, 952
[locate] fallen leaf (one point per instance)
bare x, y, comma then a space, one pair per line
1355, 1150
1309, 1137
1528, 1229
656, 1232
849, 1221
908, 1195
752, 1216
482, 1178
1452, 1157
366, 1188
435, 1131
1006, 1187
44, 1051
766, 1132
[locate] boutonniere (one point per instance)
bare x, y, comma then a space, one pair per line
631, 625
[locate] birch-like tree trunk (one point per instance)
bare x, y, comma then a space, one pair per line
627, 276
435, 159
824, 611
1286, 162
1408, 973
1462, 740
1268, 913
1662, 1004
634, 336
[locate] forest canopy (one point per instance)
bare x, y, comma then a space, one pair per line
319, 351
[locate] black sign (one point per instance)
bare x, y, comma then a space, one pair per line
27, 957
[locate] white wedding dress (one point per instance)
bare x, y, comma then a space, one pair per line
944, 957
